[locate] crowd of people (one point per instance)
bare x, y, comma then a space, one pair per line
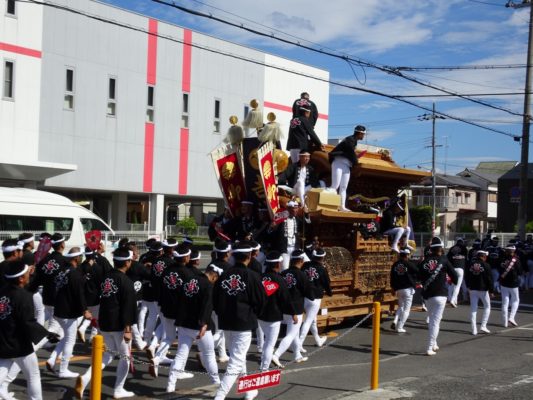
480, 272
150, 300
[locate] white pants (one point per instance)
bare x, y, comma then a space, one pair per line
495, 279
141, 317
453, 290
435, 306
271, 331
475, 296
512, 295
170, 335
260, 338
151, 320
405, 299
312, 307
286, 258
239, 343
295, 155
300, 190
206, 346
219, 338
53, 325
114, 343
65, 346
397, 233
340, 177
292, 338
39, 307
30, 368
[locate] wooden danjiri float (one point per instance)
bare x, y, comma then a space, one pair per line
357, 260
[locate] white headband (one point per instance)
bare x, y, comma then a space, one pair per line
245, 250
166, 244
405, 251
199, 256
292, 204
256, 247
187, 253
72, 255
482, 253
218, 270
28, 240
302, 256
129, 257
315, 254
280, 259
89, 253
187, 240
57, 241
223, 250
18, 274
12, 248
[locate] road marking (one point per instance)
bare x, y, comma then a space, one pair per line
521, 304
525, 329
291, 371
524, 380
514, 329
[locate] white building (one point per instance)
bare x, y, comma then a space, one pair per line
121, 114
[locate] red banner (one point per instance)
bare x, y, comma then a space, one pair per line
268, 176
259, 381
230, 178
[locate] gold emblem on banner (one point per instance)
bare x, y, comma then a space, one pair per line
252, 159
228, 170
267, 170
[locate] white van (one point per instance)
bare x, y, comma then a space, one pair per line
36, 211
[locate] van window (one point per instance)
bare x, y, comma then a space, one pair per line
90, 224
35, 224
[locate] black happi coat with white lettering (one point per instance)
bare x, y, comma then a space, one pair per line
196, 305
403, 275
171, 290
138, 274
70, 299
238, 298
478, 275
118, 304
159, 266
512, 277
45, 274
432, 273
94, 276
299, 288
278, 300
457, 256
18, 327
318, 278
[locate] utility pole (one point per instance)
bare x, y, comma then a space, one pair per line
433, 117
524, 156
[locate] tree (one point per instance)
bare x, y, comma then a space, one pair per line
421, 217
188, 225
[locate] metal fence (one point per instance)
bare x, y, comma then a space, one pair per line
449, 238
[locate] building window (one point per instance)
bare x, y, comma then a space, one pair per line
11, 7
216, 120
9, 74
185, 111
467, 198
69, 90
150, 105
112, 97
493, 197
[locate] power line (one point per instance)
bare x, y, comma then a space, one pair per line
390, 70
462, 67
486, 3
256, 62
470, 94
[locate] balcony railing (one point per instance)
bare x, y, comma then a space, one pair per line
441, 202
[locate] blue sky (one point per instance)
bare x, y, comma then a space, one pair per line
394, 33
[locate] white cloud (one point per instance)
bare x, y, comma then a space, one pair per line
378, 104
373, 137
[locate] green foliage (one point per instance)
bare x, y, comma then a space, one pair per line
466, 228
529, 227
421, 217
188, 225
